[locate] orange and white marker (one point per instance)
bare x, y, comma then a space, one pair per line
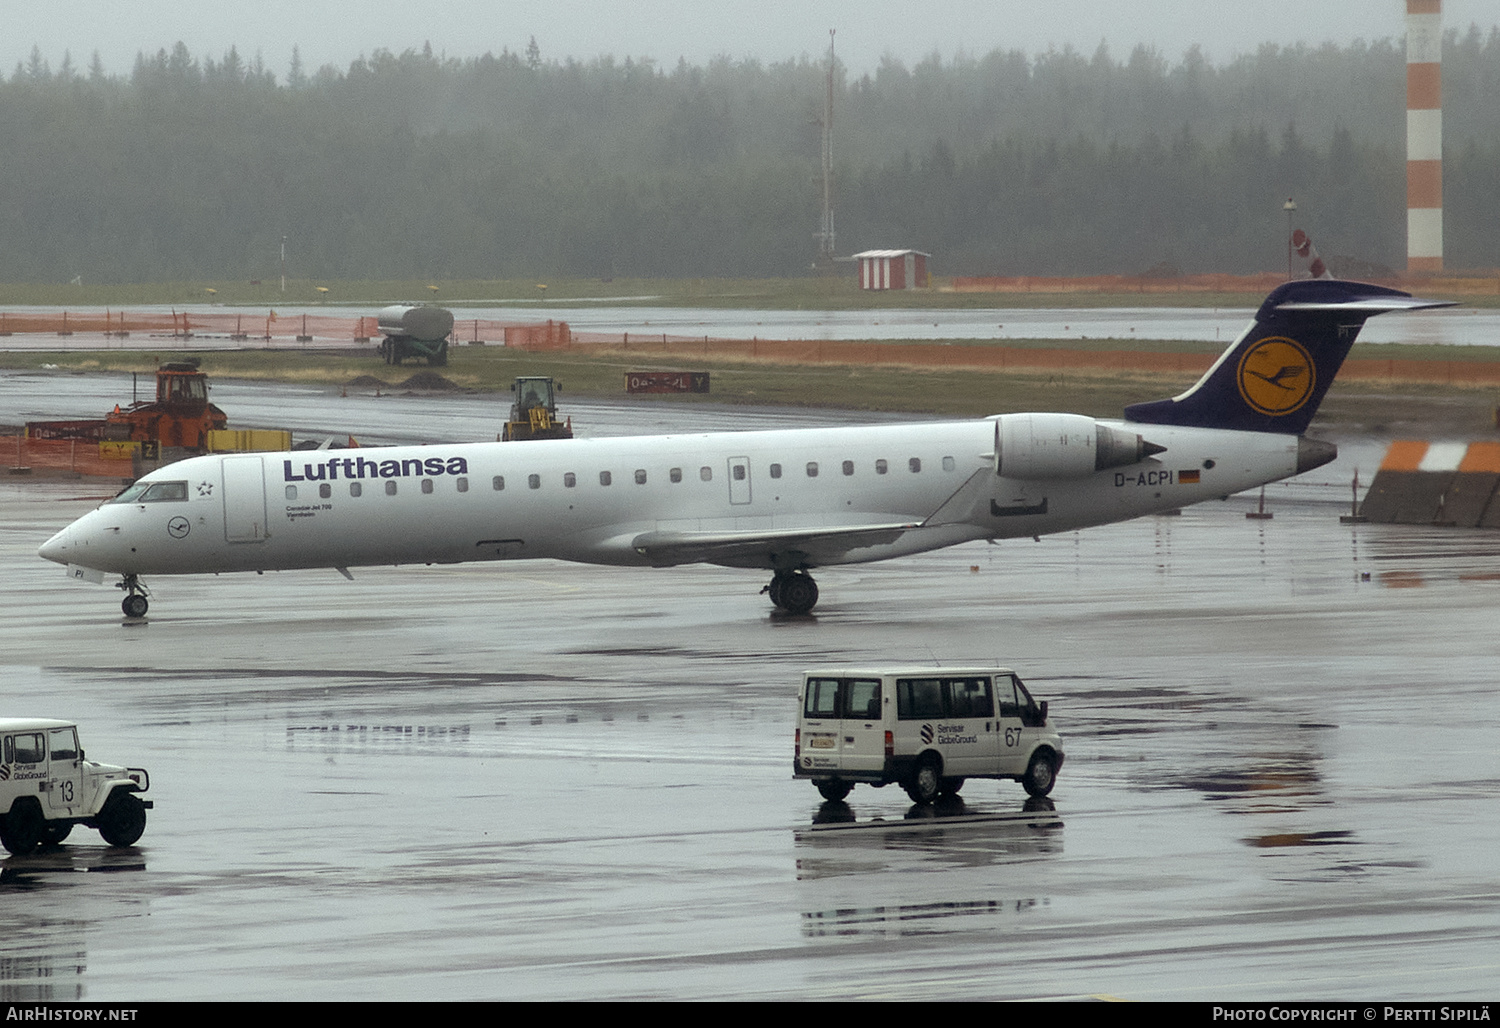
1424, 135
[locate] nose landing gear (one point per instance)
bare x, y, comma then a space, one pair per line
135, 603
793, 591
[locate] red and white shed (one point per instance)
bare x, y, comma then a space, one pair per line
892, 269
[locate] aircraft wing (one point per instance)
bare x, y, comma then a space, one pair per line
759, 548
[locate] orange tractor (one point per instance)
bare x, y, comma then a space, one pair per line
179, 416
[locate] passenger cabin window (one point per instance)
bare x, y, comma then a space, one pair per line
738, 471
812, 469
569, 480
775, 470
325, 491
675, 474
881, 467
848, 467
497, 483
390, 487
605, 478
640, 476
427, 485
291, 492
463, 485
533, 481
706, 473
915, 464
355, 488
948, 464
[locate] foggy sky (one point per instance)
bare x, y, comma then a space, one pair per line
667, 30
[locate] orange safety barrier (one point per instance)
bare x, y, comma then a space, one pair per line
263, 327
78, 455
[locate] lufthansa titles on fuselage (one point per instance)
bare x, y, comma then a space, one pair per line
360, 467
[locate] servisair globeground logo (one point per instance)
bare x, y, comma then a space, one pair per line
1276, 375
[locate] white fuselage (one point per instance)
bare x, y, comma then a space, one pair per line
596, 500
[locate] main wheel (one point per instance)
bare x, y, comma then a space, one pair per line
1041, 775
799, 593
123, 819
834, 789
22, 829
135, 605
926, 784
440, 358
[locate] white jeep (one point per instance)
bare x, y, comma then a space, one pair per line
46, 787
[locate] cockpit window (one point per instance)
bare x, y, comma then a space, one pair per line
153, 492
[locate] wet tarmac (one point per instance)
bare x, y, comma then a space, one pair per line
540, 780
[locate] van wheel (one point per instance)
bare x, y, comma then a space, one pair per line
1040, 774
123, 819
926, 784
951, 786
834, 790
21, 830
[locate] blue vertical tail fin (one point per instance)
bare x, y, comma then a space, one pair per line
1275, 375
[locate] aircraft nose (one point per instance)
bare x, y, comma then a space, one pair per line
59, 547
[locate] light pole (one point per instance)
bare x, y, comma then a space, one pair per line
283, 261
1290, 207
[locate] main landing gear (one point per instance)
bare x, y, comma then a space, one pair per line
135, 603
793, 591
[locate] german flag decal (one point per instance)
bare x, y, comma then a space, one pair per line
1187, 477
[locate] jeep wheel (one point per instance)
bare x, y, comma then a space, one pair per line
926, 783
1041, 776
834, 790
123, 819
21, 830
56, 832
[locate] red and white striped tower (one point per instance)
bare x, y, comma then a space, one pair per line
1424, 135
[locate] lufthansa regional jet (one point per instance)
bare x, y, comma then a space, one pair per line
784, 501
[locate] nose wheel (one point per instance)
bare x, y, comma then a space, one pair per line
135, 603
793, 591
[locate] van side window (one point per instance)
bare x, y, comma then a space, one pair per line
834, 698
918, 698
970, 697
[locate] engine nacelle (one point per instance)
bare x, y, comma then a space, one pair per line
1063, 446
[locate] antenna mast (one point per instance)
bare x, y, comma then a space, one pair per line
825, 233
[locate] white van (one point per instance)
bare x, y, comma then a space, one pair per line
925, 728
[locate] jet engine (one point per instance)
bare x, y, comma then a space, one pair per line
1063, 446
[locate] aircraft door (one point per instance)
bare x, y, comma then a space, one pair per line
244, 500
739, 480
